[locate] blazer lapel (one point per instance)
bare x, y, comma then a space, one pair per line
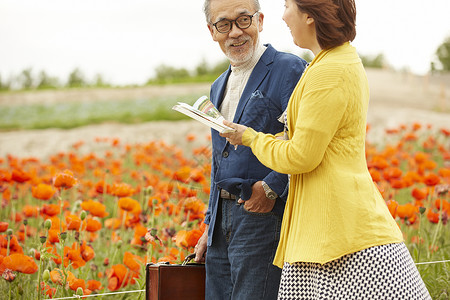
217, 98
259, 72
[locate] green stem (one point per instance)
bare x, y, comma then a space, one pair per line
39, 274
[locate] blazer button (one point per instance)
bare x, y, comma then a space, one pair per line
225, 154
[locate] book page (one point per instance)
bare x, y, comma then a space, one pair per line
205, 112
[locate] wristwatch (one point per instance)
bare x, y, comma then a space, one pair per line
269, 192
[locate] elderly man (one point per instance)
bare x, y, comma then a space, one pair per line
247, 199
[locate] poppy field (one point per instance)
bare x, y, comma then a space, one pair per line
85, 223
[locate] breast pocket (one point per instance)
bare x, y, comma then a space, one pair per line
260, 112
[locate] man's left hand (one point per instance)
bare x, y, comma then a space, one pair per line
258, 202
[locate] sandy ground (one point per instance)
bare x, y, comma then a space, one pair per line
396, 98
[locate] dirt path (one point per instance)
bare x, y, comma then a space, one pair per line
395, 99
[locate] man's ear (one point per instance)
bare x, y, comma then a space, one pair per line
260, 21
211, 30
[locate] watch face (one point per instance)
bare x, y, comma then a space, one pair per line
271, 195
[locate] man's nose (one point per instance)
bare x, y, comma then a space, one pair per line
235, 31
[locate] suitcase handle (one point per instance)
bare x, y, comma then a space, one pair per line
188, 258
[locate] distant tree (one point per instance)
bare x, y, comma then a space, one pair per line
220, 67
202, 68
25, 79
76, 79
100, 82
4, 85
306, 55
168, 74
46, 82
443, 55
377, 61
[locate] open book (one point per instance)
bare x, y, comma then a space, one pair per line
204, 111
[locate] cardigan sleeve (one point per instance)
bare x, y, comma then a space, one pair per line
316, 114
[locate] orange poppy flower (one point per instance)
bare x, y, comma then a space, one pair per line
432, 216
445, 205
419, 194
116, 277
14, 246
56, 276
122, 190
392, 206
65, 180
50, 209
73, 222
75, 283
87, 252
30, 211
20, 263
73, 255
130, 205
53, 236
42, 191
431, 179
187, 239
95, 208
93, 225
392, 173
3, 226
94, 285
133, 262
113, 223
407, 211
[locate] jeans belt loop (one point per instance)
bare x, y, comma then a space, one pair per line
226, 195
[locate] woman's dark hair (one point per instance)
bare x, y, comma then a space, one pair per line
335, 20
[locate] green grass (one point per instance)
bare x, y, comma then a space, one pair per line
76, 114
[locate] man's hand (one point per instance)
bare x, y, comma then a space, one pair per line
200, 248
258, 202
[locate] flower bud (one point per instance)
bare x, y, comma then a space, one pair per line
422, 210
43, 239
46, 275
63, 235
25, 222
148, 190
79, 291
9, 232
48, 224
119, 244
83, 215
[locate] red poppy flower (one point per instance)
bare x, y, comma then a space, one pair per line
3, 226
20, 176
431, 179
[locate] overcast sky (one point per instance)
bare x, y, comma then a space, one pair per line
124, 40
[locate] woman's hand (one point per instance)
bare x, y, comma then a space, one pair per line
234, 138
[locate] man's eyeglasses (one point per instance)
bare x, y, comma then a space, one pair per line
242, 22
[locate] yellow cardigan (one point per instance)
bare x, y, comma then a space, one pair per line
333, 207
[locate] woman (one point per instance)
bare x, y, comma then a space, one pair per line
338, 237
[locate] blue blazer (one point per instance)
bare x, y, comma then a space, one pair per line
263, 101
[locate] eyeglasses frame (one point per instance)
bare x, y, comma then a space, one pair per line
234, 21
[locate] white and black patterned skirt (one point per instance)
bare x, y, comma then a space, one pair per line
381, 272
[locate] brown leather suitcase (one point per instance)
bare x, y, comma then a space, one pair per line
174, 282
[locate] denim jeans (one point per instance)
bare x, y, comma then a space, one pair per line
239, 263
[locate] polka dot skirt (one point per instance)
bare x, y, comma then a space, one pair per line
381, 272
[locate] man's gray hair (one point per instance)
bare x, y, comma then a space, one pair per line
207, 10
